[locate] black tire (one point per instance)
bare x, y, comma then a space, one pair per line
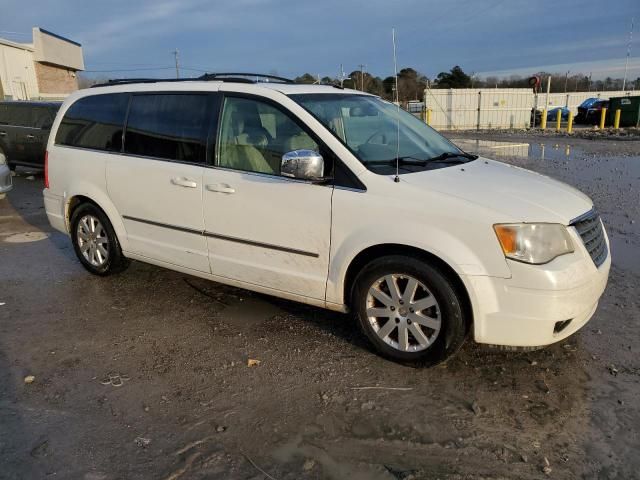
115, 262
450, 305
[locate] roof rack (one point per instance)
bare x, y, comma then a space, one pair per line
234, 77
207, 77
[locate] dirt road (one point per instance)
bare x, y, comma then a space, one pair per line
145, 375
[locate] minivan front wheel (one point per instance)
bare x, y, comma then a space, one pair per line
95, 242
409, 310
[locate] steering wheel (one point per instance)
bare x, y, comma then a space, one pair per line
381, 133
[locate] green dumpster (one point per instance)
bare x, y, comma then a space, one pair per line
629, 111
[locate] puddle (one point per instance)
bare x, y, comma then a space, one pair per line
539, 151
26, 237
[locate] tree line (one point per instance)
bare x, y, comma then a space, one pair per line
412, 83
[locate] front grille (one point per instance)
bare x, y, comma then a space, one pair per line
590, 229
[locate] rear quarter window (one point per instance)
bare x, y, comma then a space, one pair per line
95, 122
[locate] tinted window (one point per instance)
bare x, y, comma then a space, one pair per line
95, 122
254, 135
18, 115
171, 126
40, 117
4, 114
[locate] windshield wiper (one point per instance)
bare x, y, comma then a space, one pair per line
401, 161
451, 155
406, 160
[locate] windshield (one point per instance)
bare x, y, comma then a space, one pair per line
369, 127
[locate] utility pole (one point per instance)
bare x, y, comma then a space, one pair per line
175, 55
362, 67
341, 75
626, 63
566, 79
589, 86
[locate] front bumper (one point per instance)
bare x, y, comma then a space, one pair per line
532, 308
6, 181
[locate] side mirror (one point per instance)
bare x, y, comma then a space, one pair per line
303, 165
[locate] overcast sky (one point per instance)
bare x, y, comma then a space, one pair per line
295, 36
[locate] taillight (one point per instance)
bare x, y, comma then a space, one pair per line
46, 169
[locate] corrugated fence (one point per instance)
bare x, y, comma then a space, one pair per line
466, 108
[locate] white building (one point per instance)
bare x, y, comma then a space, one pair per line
44, 69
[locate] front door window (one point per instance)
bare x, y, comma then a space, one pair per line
254, 136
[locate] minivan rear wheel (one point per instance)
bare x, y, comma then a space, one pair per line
409, 310
95, 242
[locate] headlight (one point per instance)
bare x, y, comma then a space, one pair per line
533, 242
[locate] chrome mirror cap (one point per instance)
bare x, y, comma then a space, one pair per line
303, 165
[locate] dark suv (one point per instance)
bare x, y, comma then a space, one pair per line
24, 130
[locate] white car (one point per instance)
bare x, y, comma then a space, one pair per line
329, 197
6, 183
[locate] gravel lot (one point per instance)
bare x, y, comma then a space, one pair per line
145, 375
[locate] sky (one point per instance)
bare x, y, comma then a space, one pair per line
125, 38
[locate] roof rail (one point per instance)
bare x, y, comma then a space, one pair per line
234, 77
218, 77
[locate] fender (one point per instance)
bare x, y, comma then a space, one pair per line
102, 200
348, 250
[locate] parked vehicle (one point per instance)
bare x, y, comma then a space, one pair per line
595, 111
552, 114
581, 116
24, 131
329, 197
5, 176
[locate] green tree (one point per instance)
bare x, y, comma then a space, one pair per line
306, 78
455, 78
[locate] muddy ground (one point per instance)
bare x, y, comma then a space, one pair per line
144, 375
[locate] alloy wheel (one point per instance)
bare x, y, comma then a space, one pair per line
403, 312
92, 241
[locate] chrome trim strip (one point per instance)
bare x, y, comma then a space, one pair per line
163, 225
584, 216
223, 237
260, 244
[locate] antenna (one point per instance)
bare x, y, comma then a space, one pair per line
395, 74
626, 63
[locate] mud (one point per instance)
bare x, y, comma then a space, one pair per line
189, 407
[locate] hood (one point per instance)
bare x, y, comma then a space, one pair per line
516, 193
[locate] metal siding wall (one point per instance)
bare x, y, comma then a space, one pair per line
17, 73
499, 108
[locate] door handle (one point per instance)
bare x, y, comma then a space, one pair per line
221, 188
2, 134
29, 137
184, 182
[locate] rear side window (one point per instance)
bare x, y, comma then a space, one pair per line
40, 117
171, 126
18, 115
95, 122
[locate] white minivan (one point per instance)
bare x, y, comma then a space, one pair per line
330, 197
